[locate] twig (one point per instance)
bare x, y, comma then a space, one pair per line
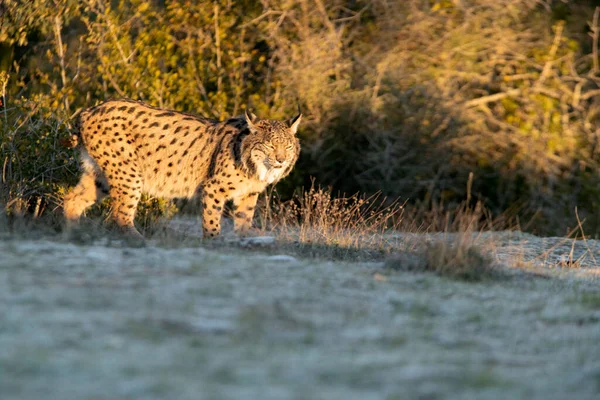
218, 48
61, 56
591, 93
551, 54
326, 20
261, 17
595, 29
560, 242
4, 105
491, 98
580, 225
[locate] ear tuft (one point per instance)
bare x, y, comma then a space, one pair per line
250, 118
294, 122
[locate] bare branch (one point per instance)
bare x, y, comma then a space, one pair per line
261, 17
491, 98
551, 54
61, 55
595, 29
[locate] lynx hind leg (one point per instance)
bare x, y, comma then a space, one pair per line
92, 188
124, 206
212, 209
125, 192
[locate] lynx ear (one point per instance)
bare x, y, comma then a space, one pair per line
250, 119
294, 122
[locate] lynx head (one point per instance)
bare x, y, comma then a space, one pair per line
271, 147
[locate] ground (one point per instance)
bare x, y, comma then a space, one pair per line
101, 320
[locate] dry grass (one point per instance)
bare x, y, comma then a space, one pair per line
316, 217
458, 258
372, 228
460, 252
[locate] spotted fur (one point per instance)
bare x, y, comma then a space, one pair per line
129, 148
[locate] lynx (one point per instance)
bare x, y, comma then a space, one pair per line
129, 148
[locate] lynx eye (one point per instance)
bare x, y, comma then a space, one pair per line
269, 146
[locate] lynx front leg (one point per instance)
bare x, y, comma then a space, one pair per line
244, 212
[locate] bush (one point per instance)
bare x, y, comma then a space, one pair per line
37, 166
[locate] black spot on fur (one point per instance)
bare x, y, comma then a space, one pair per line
165, 114
193, 142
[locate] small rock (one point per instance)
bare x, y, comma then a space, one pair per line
282, 258
257, 241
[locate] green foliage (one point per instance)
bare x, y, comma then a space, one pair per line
151, 210
35, 162
20, 20
186, 55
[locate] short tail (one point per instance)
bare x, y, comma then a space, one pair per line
74, 128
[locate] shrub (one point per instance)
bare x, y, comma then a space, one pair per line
37, 166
